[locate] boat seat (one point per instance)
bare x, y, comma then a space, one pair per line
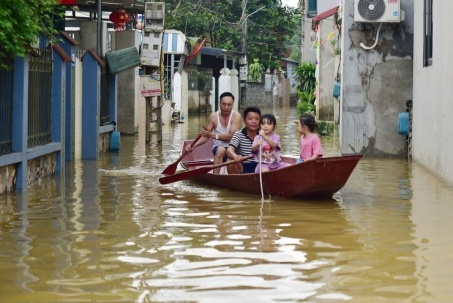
199, 162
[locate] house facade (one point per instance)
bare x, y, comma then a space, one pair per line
433, 89
376, 82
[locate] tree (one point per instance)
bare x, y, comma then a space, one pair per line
268, 30
255, 71
23, 21
305, 77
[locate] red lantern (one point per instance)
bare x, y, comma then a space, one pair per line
119, 18
68, 2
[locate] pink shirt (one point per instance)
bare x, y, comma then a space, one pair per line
310, 146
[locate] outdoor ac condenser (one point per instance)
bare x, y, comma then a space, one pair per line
378, 11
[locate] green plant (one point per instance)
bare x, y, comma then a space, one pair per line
306, 97
305, 108
305, 77
325, 128
23, 22
255, 71
202, 81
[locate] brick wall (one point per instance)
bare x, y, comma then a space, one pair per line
257, 96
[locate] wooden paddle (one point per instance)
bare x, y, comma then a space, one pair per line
196, 172
171, 169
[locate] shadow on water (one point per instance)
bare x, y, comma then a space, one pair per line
107, 231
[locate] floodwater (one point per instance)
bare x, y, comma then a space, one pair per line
109, 232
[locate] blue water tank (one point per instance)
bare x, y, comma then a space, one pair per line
403, 123
115, 141
336, 89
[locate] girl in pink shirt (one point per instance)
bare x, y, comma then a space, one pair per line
310, 144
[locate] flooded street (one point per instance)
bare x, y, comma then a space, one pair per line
107, 231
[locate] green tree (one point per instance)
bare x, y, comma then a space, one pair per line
306, 84
268, 29
23, 21
255, 71
305, 77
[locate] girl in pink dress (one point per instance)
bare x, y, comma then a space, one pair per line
310, 144
270, 144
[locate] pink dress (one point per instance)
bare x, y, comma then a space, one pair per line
270, 157
310, 146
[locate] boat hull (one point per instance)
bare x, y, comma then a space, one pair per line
311, 179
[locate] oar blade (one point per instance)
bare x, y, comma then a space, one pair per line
171, 169
184, 175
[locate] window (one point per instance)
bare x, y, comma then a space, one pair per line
428, 33
312, 8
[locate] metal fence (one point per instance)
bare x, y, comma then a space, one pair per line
40, 97
6, 106
200, 80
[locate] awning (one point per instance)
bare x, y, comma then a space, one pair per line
316, 19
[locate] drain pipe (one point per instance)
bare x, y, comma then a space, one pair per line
99, 29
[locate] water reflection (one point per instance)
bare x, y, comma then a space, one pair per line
109, 232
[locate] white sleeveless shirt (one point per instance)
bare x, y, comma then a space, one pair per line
222, 130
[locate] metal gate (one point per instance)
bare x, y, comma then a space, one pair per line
6, 106
39, 97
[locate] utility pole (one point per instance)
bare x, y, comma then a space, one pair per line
243, 62
244, 27
302, 29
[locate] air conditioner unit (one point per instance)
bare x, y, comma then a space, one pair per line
378, 11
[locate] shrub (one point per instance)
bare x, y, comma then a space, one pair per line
305, 77
325, 128
255, 71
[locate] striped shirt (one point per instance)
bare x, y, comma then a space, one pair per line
242, 144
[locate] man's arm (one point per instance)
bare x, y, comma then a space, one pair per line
231, 150
208, 132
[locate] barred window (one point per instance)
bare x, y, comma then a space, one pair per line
428, 33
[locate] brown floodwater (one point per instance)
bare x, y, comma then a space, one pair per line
107, 231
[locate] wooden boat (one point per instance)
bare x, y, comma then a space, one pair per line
320, 178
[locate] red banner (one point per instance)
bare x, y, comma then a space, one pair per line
195, 51
151, 93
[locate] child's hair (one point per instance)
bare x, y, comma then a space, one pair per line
309, 121
270, 118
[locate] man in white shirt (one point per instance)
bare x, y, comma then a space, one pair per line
221, 127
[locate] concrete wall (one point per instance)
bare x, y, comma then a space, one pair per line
432, 94
257, 96
375, 84
308, 53
88, 40
198, 102
324, 5
128, 85
41, 167
8, 178
327, 68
